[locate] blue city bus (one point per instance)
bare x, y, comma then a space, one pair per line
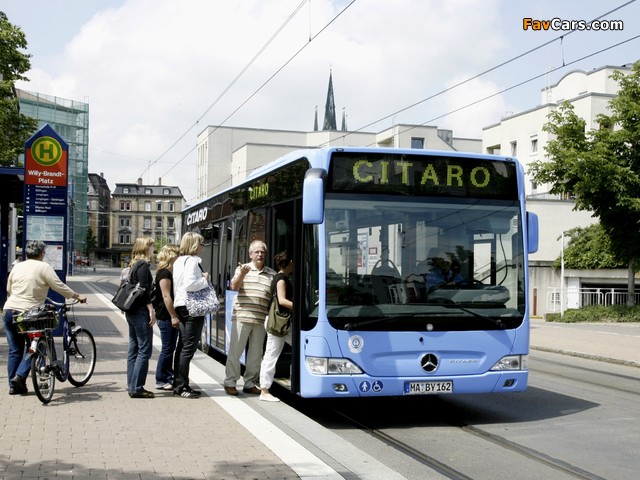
369, 228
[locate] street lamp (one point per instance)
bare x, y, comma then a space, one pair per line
562, 277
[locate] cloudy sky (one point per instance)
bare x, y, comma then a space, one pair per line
156, 72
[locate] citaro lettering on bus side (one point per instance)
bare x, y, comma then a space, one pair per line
197, 216
259, 191
478, 176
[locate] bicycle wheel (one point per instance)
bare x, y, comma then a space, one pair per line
82, 356
42, 372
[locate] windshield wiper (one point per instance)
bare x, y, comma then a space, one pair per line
496, 321
372, 321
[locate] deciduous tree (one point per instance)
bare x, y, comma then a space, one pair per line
600, 168
15, 128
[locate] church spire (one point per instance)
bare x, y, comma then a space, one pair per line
330, 108
315, 120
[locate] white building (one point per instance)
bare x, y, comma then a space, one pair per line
227, 154
521, 135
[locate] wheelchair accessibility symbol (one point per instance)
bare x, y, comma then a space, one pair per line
375, 386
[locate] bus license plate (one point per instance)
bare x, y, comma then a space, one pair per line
428, 388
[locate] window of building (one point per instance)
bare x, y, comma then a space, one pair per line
158, 222
172, 207
147, 223
159, 206
534, 145
417, 142
125, 221
514, 149
166, 191
171, 223
147, 206
125, 239
148, 191
125, 189
125, 205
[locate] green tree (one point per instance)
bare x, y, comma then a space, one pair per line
588, 248
600, 168
15, 128
91, 242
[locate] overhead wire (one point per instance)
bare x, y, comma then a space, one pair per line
524, 82
528, 52
485, 72
228, 87
311, 38
448, 89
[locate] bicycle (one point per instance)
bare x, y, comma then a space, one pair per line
78, 348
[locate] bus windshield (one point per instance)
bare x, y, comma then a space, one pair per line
423, 263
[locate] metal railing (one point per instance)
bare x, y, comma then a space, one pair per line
582, 297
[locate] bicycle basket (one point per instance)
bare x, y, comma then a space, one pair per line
37, 319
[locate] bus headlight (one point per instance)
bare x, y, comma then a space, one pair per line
331, 366
511, 362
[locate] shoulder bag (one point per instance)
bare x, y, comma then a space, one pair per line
203, 301
127, 294
278, 321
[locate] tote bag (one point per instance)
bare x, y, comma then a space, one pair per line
202, 301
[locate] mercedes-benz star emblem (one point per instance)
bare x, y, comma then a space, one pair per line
429, 362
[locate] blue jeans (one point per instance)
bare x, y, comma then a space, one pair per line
190, 331
19, 361
169, 336
140, 346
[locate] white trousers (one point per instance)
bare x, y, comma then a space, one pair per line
241, 334
271, 354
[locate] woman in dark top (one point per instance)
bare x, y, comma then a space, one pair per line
168, 321
141, 319
282, 287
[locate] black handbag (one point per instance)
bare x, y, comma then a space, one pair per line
127, 294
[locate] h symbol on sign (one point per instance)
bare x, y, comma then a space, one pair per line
48, 149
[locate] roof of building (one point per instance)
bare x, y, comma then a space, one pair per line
137, 190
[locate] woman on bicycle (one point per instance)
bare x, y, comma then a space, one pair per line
141, 319
168, 321
27, 287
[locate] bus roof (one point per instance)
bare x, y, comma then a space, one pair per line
318, 158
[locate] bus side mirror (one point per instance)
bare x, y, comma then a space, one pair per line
313, 196
532, 232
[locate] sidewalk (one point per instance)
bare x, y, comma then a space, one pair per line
98, 432
617, 343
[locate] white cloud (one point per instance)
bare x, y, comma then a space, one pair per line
150, 68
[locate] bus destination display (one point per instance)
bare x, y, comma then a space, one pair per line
423, 175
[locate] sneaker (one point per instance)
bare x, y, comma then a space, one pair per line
267, 397
186, 393
164, 386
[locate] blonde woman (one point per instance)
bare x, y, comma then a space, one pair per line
188, 276
166, 316
141, 319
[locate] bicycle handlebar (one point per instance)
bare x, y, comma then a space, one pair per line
65, 303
